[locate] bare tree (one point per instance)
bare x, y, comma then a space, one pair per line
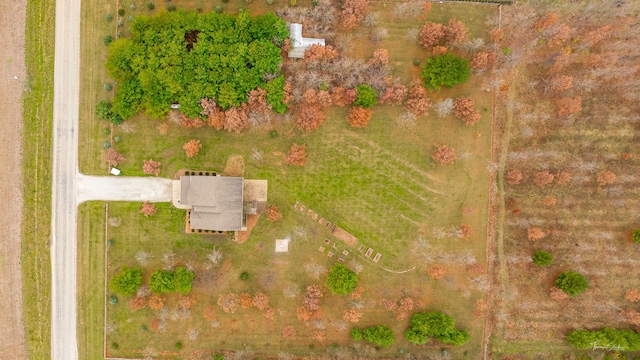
169, 260
291, 290
143, 257
444, 107
215, 256
314, 270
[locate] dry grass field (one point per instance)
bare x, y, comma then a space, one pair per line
584, 221
378, 183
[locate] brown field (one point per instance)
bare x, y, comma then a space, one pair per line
588, 227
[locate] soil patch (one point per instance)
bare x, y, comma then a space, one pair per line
12, 40
235, 166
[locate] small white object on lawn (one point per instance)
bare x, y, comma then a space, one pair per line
115, 171
282, 245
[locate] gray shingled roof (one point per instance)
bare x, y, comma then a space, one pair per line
216, 201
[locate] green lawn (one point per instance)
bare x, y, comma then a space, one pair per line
36, 177
378, 183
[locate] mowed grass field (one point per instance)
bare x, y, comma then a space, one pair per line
378, 183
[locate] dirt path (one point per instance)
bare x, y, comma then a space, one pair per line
12, 37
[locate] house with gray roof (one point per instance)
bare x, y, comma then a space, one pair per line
219, 203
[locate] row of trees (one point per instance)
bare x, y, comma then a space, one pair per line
184, 57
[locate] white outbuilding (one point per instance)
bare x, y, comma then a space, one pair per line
298, 43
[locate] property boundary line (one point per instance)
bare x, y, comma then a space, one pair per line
106, 256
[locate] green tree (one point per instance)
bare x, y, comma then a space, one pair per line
275, 94
636, 236
127, 281
622, 339
571, 283
103, 110
542, 258
436, 324
182, 280
356, 334
341, 279
162, 281
379, 335
367, 96
445, 70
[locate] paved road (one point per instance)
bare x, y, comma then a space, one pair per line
122, 188
66, 85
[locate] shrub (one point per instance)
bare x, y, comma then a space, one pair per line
113, 300
150, 6
109, 17
636, 236
379, 335
178, 345
182, 280
542, 258
127, 281
171, 8
571, 283
121, 12
425, 325
244, 275
108, 39
367, 96
162, 281
622, 339
103, 110
341, 280
115, 346
444, 155
218, 9
359, 117
107, 87
445, 70
356, 334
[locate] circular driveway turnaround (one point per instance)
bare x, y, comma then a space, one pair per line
122, 188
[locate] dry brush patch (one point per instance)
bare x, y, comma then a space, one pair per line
577, 206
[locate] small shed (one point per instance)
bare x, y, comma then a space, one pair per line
298, 43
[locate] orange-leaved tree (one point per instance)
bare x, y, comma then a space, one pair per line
359, 117
192, 147
297, 155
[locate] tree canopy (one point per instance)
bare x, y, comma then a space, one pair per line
445, 70
618, 339
572, 283
185, 56
436, 324
166, 281
127, 281
341, 279
367, 96
379, 335
542, 258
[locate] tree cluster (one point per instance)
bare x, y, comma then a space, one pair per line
167, 281
353, 12
310, 309
620, 339
438, 325
379, 335
418, 102
433, 34
185, 56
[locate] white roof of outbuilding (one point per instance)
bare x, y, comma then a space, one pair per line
299, 43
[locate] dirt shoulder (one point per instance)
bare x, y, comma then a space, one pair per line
12, 43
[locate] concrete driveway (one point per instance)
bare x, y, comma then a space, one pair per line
122, 188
